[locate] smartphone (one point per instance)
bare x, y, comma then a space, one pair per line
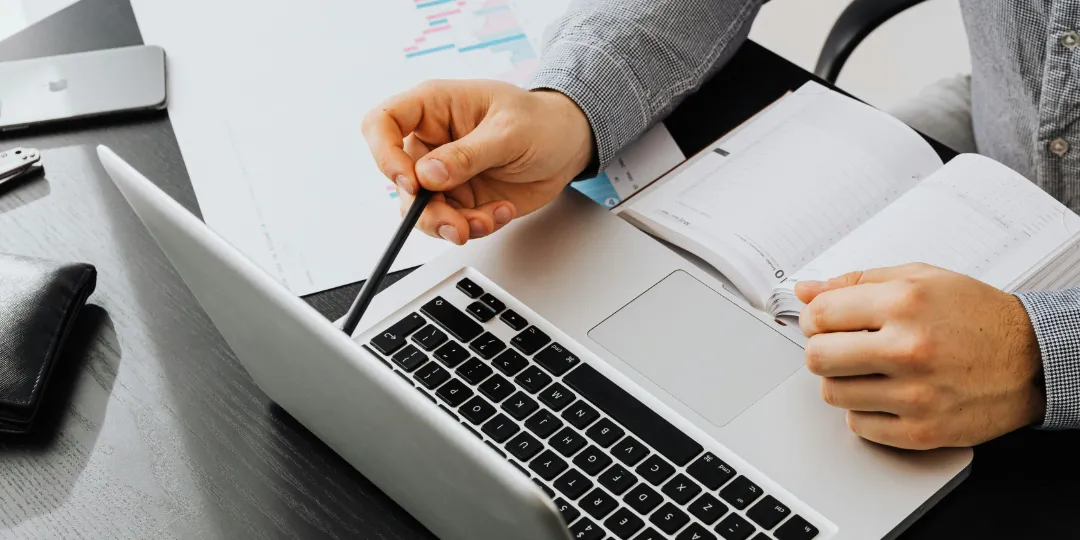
81, 85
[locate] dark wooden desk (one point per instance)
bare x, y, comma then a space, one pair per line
161, 434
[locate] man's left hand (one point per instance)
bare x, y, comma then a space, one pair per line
922, 357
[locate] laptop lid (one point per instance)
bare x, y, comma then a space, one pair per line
448, 480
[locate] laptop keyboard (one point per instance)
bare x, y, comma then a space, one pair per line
613, 466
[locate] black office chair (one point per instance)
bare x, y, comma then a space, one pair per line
857, 21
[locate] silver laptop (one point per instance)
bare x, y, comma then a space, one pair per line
569, 377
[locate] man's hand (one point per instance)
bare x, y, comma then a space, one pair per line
493, 150
946, 361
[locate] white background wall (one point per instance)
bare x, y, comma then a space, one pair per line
918, 47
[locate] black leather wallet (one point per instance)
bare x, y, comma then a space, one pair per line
39, 303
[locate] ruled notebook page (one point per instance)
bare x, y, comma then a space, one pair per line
788, 186
974, 216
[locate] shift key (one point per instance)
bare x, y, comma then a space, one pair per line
452, 319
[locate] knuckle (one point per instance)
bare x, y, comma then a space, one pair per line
910, 296
915, 398
916, 350
819, 313
462, 156
922, 436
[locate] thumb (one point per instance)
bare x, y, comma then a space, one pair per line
455, 163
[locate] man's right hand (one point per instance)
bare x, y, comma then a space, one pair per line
491, 151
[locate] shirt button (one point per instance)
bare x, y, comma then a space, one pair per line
1059, 147
1070, 40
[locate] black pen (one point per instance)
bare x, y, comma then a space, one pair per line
367, 292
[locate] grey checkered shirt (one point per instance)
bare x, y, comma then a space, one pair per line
627, 63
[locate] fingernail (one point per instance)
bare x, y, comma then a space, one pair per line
433, 171
403, 183
503, 215
477, 229
449, 233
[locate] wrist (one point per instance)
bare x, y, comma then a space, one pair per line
574, 126
1025, 347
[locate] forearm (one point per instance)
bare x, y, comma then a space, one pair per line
627, 63
1055, 317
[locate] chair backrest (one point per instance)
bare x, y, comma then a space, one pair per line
857, 21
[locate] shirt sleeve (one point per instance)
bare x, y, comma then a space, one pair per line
628, 63
1056, 319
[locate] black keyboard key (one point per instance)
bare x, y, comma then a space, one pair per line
643, 499
768, 513
617, 479
431, 375
548, 465
510, 362
530, 340
761, 536
598, 504
650, 534
532, 379
452, 319
734, 527
394, 337
556, 359
681, 489
477, 410
543, 423
569, 513
605, 433
586, 530
635, 415
452, 354
711, 471
707, 509
519, 406
472, 290
655, 470
592, 460
629, 451
454, 393
695, 532
480, 311
669, 518
580, 414
429, 337
409, 358
474, 371
501, 428
524, 447
557, 397
567, 442
796, 528
573, 484
495, 304
624, 523
487, 346
740, 492
513, 320
497, 388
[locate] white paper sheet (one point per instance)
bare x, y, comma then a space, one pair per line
267, 97
17, 15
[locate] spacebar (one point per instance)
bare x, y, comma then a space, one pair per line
642, 421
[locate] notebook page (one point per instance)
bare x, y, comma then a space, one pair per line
974, 216
773, 199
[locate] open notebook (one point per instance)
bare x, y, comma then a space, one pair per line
820, 185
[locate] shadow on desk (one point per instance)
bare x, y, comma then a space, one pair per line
69, 421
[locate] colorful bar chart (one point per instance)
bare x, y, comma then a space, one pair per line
475, 27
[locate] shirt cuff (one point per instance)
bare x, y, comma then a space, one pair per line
1055, 317
609, 96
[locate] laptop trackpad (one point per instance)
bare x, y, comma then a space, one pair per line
700, 347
